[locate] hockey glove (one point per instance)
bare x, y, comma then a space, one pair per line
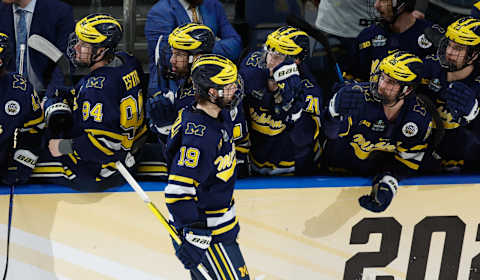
339, 85
346, 102
160, 113
58, 113
384, 188
461, 101
23, 163
288, 100
195, 241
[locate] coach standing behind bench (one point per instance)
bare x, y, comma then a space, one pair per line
51, 19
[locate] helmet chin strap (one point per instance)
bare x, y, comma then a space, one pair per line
94, 58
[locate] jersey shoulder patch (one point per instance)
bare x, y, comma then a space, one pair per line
255, 59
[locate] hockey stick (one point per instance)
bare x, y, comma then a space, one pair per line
44, 46
10, 211
9, 229
173, 233
318, 35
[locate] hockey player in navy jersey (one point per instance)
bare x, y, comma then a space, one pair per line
202, 175
106, 108
380, 128
186, 43
21, 122
452, 81
397, 29
284, 105
475, 11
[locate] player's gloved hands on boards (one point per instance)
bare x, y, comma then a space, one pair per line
21, 168
195, 241
346, 102
384, 188
58, 112
160, 113
461, 101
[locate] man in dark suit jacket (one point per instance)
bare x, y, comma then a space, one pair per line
51, 19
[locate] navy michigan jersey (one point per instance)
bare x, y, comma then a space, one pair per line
20, 110
202, 161
108, 119
185, 96
281, 145
375, 42
360, 137
460, 141
435, 82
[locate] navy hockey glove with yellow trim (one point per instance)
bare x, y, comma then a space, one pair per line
195, 241
21, 167
346, 102
288, 98
58, 112
384, 188
461, 101
160, 113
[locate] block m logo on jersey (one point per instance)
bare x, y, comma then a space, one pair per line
95, 82
198, 130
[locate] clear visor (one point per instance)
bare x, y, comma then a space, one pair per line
80, 53
230, 95
382, 10
452, 56
386, 89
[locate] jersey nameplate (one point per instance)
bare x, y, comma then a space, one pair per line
131, 80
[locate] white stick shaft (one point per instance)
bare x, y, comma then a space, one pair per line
22, 59
132, 182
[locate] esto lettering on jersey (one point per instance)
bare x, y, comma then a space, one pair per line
131, 79
363, 148
226, 165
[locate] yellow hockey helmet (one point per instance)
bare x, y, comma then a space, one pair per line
289, 41
101, 30
193, 38
464, 32
217, 72
404, 68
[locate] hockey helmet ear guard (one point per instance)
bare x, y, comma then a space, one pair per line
217, 72
400, 68
5, 50
98, 30
463, 39
289, 41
